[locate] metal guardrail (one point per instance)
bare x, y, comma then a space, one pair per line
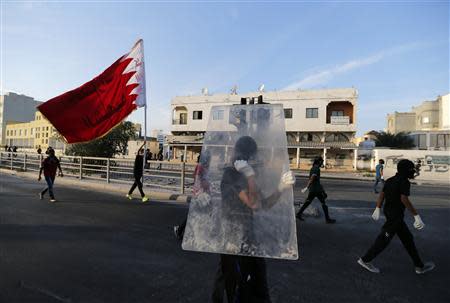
169, 176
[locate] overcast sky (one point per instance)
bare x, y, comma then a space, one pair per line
395, 54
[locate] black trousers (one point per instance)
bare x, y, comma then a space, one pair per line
319, 195
244, 280
138, 183
391, 228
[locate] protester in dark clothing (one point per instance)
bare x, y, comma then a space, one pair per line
201, 185
244, 278
6, 148
39, 150
315, 191
379, 175
138, 173
395, 194
49, 167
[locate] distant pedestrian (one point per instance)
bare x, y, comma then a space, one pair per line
148, 158
379, 175
39, 150
49, 167
395, 194
138, 170
6, 148
417, 167
160, 157
315, 191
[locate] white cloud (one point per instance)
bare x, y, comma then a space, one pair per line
324, 76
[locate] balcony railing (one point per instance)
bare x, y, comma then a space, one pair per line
179, 122
340, 120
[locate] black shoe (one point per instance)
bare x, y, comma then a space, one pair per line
331, 221
299, 217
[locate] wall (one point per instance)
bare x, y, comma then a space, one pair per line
435, 164
444, 109
401, 122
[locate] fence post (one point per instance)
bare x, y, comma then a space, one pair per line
107, 170
182, 177
25, 162
81, 168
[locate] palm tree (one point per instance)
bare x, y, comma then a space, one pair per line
400, 140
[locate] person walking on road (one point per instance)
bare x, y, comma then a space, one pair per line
138, 173
379, 175
49, 167
315, 191
395, 194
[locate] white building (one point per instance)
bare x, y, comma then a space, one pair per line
318, 123
15, 108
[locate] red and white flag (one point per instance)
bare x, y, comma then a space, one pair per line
91, 110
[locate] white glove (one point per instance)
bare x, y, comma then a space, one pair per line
287, 181
418, 223
376, 214
304, 190
243, 167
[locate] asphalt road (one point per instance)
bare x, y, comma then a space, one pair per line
100, 247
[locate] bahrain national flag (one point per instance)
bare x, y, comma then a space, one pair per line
91, 110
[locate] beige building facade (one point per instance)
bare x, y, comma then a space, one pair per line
32, 135
317, 122
428, 124
15, 108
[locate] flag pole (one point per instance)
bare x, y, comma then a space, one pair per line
145, 119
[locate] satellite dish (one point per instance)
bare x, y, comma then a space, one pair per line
261, 88
205, 91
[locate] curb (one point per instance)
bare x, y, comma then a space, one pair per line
372, 179
109, 187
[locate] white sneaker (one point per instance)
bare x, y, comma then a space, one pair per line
426, 267
129, 197
369, 266
53, 200
41, 196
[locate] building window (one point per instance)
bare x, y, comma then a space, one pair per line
197, 115
288, 113
425, 120
218, 115
25, 132
183, 118
312, 113
20, 132
337, 113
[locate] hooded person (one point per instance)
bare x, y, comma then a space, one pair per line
315, 191
395, 196
242, 276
